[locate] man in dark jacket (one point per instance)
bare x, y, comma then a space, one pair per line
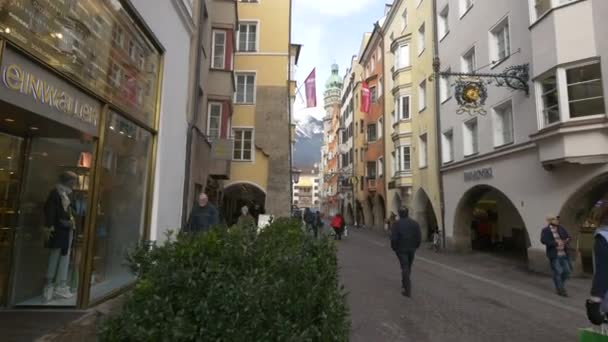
203, 216
556, 239
405, 240
597, 306
309, 219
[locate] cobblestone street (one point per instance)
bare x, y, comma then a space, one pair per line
474, 297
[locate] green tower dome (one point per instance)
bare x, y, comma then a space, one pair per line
334, 81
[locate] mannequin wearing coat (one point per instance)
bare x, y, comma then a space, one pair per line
60, 225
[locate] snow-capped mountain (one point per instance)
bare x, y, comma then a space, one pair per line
309, 139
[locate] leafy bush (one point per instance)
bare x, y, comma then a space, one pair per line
234, 285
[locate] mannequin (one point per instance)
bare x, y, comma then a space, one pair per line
60, 225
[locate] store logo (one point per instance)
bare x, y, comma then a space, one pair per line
479, 174
16, 78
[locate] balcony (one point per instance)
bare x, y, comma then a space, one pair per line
221, 84
576, 142
221, 158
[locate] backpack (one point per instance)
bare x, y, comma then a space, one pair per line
336, 222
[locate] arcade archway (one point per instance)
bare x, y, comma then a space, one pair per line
396, 204
487, 220
368, 212
379, 212
238, 195
425, 214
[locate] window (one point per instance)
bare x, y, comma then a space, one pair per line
404, 158
470, 137
585, 91
243, 144
371, 170
374, 92
380, 167
421, 39
468, 61
115, 75
447, 141
404, 16
422, 96
380, 127
572, 92
543, 6
132, 50
402, 107
402, 57
361, 124
380, 87
219, 50
372, 132
503, 124
248, 35
245, 88
445, 90
118, 36
418, 3
501, 45
423, 150
443, 22
550, 101
465, 6
214, 120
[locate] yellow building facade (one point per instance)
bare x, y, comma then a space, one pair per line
260, 173
411, 138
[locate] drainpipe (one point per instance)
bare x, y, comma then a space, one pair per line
290, 110
438, 143
385, 157
195, 111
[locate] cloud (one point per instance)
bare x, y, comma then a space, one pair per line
334, 8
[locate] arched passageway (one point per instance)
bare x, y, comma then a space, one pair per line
379, 212
488, 221
425, 214
582, 214
368, 212
349, 216
396, 204
238, 195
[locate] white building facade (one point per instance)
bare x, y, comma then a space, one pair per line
530, 155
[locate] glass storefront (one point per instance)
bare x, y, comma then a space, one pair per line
72, 202
121, 206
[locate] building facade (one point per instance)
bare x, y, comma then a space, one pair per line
373, 196
531, 155
260, 174
94, 97
332, 98
345, 134
307, 191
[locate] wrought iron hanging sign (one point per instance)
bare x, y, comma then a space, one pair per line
471, 89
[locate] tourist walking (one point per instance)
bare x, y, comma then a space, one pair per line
203, 216
338, 225
597, 305
405, 240
556, 239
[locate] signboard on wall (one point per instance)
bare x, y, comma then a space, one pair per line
29, 86
94, 42
478, 174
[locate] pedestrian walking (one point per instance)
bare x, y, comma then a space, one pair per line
203, 216
246, 219
309, 219
597, 305
556, 239
405, 240
338, 225
318, 224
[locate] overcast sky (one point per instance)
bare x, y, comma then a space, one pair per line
330, 31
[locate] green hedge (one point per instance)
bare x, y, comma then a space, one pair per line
234, 285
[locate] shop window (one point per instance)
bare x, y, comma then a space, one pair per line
121, 209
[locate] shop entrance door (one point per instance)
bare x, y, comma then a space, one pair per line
11, 160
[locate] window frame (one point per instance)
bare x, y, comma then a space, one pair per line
375, 130
421, 39
236, 78
443, 21
445, 89
474, 139
219, 128
446, 143
472, 52
554, 4
423, 150
213, 49
502, 28
244, 129
248, 23
495, 122
464, 9
422, 96
402, 50
400, 107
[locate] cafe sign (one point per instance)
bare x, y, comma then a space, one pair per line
479, 174
35, 89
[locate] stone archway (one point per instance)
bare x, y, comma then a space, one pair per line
424, 213
379, 212
486, 219
396, 204
239, 194
581, 214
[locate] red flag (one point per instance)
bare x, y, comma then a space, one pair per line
311, 89
365, 98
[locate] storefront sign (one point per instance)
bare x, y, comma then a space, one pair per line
479, 174
95, 42
35, 89
222, 149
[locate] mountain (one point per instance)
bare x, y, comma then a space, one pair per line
309, 140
